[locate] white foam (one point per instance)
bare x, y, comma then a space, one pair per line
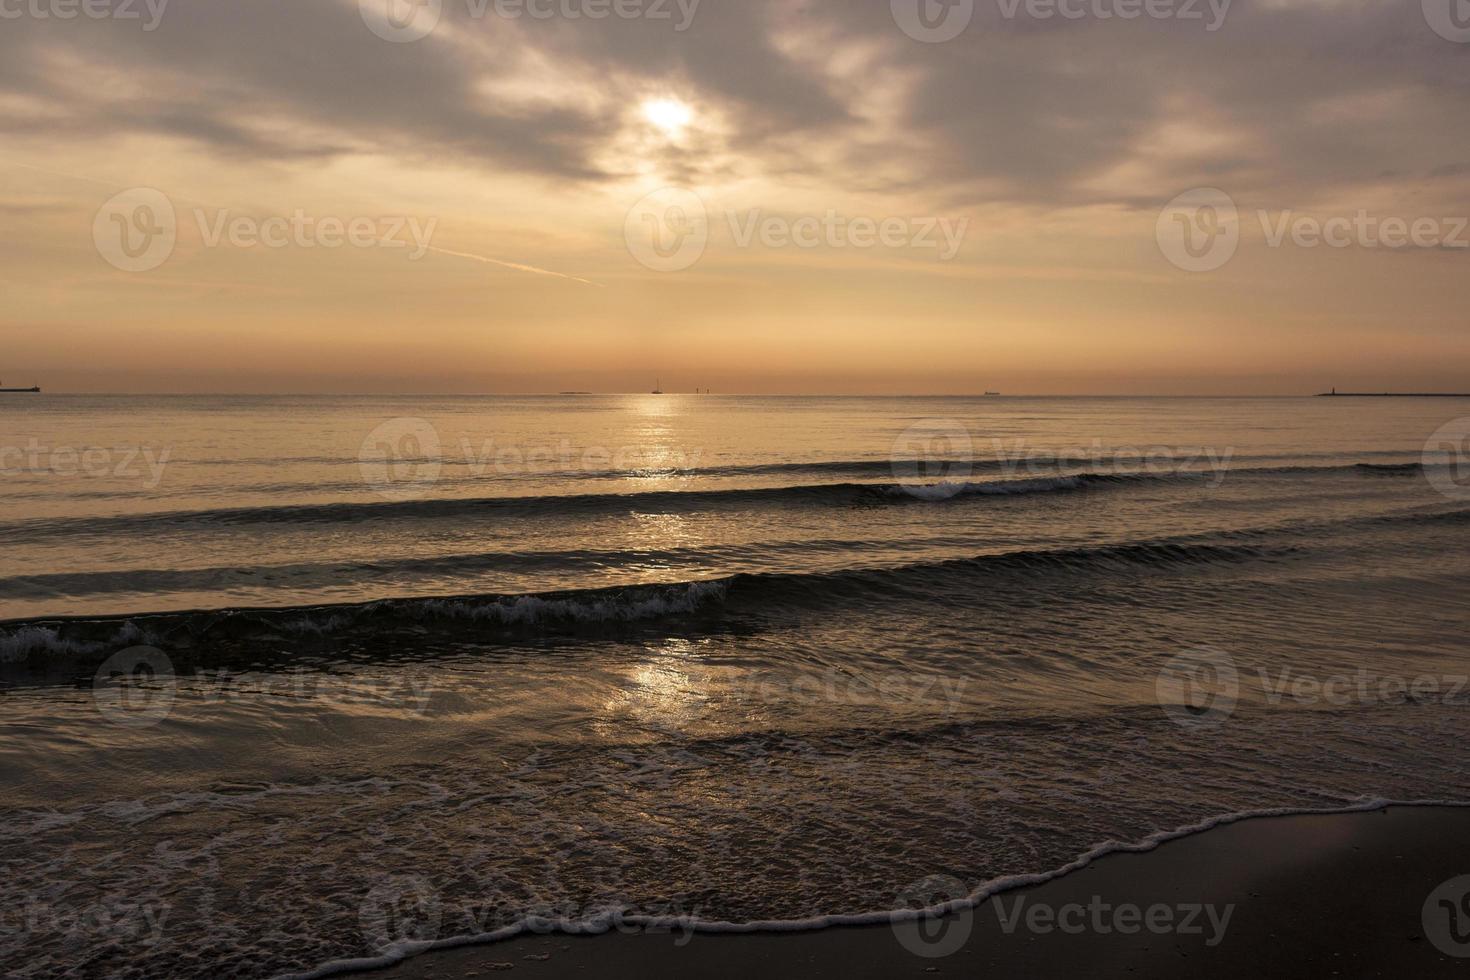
30, 640
604, 923
534, 609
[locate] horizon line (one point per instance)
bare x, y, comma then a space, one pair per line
723, 394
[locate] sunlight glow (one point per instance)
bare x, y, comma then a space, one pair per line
669, 115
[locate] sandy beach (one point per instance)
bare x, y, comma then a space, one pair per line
1300, 896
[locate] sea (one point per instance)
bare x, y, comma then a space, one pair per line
296, 685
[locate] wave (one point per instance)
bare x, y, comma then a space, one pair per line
948, 489
658, 563
615, 607
1396, 469
655, 501
632, 565
225, 630
1008, 457
670, 501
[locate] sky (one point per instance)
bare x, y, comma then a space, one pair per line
865, 196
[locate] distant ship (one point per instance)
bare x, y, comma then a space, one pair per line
16, 391
1334, 393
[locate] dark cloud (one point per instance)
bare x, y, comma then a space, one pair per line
1304, 97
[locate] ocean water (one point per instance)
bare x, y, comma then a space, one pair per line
287, 683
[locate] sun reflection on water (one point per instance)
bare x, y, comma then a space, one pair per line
662, 694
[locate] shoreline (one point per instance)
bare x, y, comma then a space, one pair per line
1247, 876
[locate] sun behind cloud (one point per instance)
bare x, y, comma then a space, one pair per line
671, 116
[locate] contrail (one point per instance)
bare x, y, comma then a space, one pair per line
519, 267
62, 173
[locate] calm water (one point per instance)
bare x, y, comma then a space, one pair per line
291, 681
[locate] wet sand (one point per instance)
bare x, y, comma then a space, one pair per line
1312, 896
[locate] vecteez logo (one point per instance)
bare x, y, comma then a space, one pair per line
136, 230
1446, 459
1446, 917
406, 21
932, 459
148, 12
401, 459
1199, 688
1199, 230
1450, 19
135, 688
668, 230
933, 21
402, 909
937, 920
937, 21
401, 21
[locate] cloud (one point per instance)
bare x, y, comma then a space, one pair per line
1285, 100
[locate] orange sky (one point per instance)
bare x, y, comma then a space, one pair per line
868, 212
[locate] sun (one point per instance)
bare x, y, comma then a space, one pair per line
669, 115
